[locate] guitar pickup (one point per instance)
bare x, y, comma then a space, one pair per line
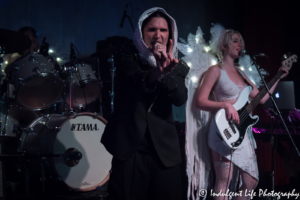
232, 127
227, 134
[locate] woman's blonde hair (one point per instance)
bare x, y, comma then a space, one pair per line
226, 38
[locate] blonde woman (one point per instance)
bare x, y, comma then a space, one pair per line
226, 82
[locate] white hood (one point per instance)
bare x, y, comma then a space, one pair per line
138, 36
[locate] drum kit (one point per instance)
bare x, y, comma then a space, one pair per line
68, 138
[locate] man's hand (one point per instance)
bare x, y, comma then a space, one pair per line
164, 59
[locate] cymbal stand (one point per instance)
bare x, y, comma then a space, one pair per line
72, 69
290, 120
1, 107
71, 79
273, 114
100, 82
2, 165
112, 70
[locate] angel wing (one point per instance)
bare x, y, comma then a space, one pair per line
199, 60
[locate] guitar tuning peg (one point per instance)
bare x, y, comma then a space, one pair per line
285, 56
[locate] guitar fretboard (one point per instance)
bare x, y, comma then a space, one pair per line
262, 93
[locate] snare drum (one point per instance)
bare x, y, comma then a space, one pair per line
37, 82
86, 86
57, 134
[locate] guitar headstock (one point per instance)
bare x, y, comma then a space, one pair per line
288, 62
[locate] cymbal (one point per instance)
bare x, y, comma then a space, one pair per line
12, 41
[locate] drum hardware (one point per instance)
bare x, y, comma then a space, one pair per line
31, 59
99, 82
44, 47
9, 119
72, 157
37, 71
112, 70
1, 63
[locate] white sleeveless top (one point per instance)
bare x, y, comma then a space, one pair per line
226, 89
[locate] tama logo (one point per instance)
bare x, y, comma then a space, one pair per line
84, 127
85, 183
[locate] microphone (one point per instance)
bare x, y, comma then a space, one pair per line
44, 47
124, 16
243, 52
72, 53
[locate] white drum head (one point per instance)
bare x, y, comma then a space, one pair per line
83, 133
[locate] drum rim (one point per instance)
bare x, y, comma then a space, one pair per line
85, 114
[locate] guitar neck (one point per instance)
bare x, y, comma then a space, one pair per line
263, 92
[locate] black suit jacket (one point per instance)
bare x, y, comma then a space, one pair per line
127, 125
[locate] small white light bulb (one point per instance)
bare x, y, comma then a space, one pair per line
194, 79
213, 62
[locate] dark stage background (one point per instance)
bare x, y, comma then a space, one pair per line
270, 27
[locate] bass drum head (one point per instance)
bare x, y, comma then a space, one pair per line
82, 134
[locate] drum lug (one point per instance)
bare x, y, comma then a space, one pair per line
46, 116
57, 129
27, 130
73, 114
3, 131
96, 114
50, 59
37, 71
31, 59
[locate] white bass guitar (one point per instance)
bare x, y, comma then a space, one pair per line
233, 134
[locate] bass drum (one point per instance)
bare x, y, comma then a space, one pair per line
86, 164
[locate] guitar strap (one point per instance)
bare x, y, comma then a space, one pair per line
243, 76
